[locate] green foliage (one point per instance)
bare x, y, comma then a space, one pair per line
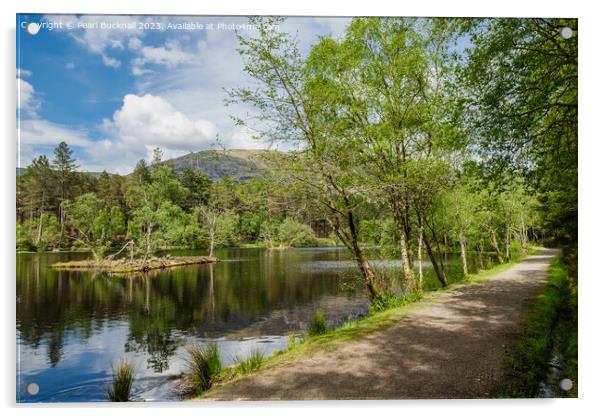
24, 236
317, 325
51, 232
386, 300
250, 364
198, 186
289, 233
123, 379
142, 173
371, 231
552, 315
227, 230
250, 225
205, 365
94, 225
294, 234
521, 81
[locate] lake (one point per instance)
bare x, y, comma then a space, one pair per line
73, 326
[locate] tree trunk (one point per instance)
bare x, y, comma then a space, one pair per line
463, 252
39, 233
507, 244
481, 244
149, 231
420, 272
364, 265
524, 237
62, 215
350, 239
212, 235
496, 246
399, 217
445, 245
429, 250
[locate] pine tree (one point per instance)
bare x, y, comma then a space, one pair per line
64, 167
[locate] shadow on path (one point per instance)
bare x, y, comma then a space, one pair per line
449, 348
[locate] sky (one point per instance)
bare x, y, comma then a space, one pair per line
115, 87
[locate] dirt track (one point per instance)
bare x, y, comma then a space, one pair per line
450, 348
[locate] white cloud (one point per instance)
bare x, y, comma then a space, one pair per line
171, 55
112, 62
150, 121
244, 138
134, 43
98, 40
27, 103
69, 65
23, 73
38, 136
46, 133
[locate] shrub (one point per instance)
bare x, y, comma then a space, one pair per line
205, 365
123, 378
318, 325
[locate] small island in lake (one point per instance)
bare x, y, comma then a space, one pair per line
125, 265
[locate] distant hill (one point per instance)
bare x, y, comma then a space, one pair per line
239, 164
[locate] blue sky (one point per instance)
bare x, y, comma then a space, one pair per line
115, 94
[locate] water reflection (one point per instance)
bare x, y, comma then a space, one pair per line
73, 326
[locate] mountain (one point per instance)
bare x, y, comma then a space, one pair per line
239, 164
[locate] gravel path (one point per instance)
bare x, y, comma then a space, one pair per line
450, 348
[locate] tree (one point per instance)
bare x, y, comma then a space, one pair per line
216, 214
286, 113
157, 156
155, 208
461, 205
38, 187
289, 233
521, 83
142, 173
64, 167
198, 185
383, 88
111, 190
93, 223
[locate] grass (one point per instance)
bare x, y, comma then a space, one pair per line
386, 301
552, 323
318, 325
123, 379
205, 365
250, 364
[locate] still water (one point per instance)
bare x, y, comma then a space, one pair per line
73, 327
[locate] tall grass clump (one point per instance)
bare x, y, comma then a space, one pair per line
205, 365
250, 364
385, 300
318, 325
123, 378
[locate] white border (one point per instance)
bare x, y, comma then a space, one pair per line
589, 185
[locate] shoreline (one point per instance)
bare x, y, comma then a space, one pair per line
352, 331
